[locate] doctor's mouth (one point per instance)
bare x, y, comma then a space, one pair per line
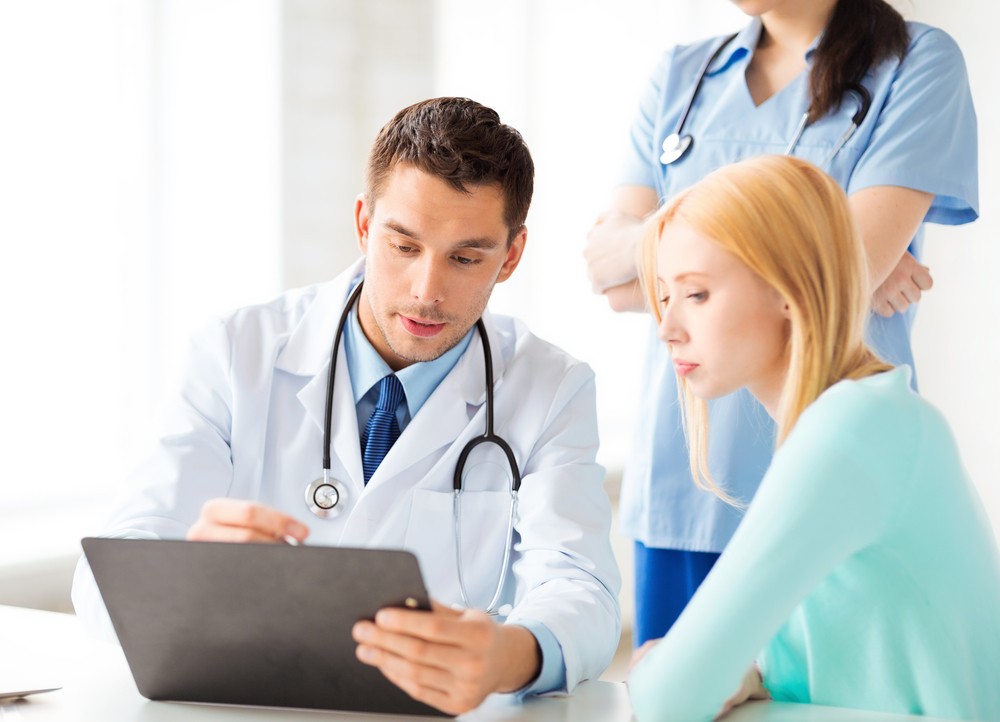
421, 328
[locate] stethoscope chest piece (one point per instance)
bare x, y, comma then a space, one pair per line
674, 146
326, 498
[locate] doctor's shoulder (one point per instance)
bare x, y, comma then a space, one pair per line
539, 368
236, 346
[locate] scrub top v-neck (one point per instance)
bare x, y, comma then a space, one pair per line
920, 133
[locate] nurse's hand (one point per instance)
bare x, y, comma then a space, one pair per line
611, 252
448, 659
238, 520
613, 241
903, 287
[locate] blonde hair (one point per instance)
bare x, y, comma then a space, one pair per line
790, 223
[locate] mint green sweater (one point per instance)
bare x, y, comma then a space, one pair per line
864, 575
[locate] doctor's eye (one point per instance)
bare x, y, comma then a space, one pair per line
462, 260
402, 249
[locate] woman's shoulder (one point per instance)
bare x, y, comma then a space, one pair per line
928, 42
684, 60
880, 414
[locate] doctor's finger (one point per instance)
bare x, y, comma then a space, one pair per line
398, 669
241, 513
446, 610
201, 531
440, 699
415, 649
431, 626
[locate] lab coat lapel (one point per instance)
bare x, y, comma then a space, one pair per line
345, 443
307, 353
446, 413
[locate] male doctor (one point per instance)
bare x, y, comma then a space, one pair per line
440, 222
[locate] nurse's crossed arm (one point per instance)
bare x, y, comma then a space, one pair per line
887, 216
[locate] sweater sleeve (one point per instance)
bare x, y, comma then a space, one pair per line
818, 504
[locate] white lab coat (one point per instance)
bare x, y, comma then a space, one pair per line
249, 424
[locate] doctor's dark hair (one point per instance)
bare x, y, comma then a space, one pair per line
859, 35
461, 142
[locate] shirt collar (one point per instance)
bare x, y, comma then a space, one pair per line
744, 44
419, 380
738, 48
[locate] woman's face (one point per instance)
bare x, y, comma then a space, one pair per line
726, 328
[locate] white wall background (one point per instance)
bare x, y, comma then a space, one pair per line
142, 187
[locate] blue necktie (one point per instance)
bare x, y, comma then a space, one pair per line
382, 428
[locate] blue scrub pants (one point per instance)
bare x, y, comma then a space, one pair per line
665, 581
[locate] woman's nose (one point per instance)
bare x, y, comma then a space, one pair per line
670, 330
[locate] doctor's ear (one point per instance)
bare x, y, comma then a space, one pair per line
514, 253
362, 221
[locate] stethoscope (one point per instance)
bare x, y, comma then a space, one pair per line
677, 144
327, 498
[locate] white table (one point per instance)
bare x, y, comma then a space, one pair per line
98, 687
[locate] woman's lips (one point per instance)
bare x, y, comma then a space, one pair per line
421, 328
683, 368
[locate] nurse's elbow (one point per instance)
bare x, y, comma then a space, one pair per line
627, 297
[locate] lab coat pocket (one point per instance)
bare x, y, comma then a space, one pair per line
430, 534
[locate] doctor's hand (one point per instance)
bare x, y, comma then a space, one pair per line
448, 659
238, 520
902, 287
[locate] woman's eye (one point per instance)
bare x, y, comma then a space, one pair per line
698, 297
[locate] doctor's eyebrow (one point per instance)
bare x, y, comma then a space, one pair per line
396, 227
485, 244
474, 243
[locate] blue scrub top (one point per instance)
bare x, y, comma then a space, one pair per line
920, 133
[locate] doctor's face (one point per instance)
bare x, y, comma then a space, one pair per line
432, 257
726, 328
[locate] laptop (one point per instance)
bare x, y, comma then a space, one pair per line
254, 624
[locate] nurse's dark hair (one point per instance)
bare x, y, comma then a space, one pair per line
463, 143
859, 35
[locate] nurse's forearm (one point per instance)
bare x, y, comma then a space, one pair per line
887, 218
613, 240
627, 297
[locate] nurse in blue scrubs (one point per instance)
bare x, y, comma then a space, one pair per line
790, 75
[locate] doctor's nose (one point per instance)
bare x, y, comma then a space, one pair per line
428, 283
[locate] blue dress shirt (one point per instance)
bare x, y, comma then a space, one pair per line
419, 381
920, 133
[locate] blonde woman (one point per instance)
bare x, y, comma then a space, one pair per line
865, 573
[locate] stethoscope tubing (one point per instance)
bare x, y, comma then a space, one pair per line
863, 107
489, 437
